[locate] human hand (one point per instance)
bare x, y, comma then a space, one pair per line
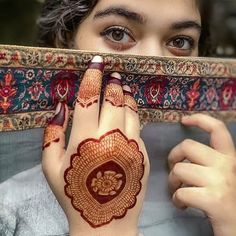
100, 179
208, 180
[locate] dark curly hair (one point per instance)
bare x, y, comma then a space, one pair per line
60, 19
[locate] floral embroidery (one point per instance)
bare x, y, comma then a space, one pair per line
175, 93
30, 74
36, 90
35, 79
193, 94
7, 91
63, 86
154, 91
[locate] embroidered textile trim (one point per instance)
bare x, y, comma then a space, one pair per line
33, 80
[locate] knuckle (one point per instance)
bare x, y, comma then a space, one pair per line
177, 169
219, 125
186, 144
179, 195
217, 198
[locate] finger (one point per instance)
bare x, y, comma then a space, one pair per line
188, 174
112, 111
54, 137
86, 112
132, 124
220, 137
194, 152
194, 197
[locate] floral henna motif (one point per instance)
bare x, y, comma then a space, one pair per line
130, 102
90, 86
51, 134
55, 127
114, 93
104, 178
107, 184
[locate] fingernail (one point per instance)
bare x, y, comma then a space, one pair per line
58, 108
129, 100
60, 114
115, 78
97, 63
127, 90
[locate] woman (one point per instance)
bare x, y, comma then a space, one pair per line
163, 28
152, 27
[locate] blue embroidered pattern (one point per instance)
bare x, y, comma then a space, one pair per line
33, 80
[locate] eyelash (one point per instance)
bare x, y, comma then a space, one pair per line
120, 46
106, 34
190, 40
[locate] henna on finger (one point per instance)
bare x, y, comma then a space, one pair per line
90, 86
129, 100
56, 126
114, 93
104, 178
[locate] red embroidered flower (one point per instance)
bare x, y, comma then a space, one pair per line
155, 91
193, 94
227, 95
36, 90
2, 55
63, 87
7, 91
15, 57
49, 58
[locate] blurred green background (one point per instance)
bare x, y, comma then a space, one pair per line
18, 21
18, 24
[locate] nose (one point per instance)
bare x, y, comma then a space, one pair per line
150, 47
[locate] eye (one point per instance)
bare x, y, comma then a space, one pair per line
182, 42
118, 37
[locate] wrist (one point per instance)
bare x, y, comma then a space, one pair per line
224, 228
106, 230
104, 233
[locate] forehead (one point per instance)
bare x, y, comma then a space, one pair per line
153, 10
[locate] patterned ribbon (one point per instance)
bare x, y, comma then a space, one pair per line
33, 80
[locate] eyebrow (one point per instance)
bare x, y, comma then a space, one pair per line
121, 11
186, 25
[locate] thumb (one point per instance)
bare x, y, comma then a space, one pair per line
54, 139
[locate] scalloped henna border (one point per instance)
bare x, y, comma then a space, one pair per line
78, 154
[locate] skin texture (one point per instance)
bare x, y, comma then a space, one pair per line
207, 181
114, 169
159, 29
104, 144
55, 127
129, 100
90, 91
114, 92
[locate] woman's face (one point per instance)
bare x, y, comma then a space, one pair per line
146, 27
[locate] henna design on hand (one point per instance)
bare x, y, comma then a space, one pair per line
129, 101
90, 86
55, 127
104, 177
114, 93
